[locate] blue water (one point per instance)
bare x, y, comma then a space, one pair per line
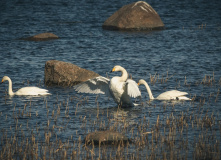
186, 51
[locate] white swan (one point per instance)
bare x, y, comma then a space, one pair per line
169, 95
26, 91
121, 89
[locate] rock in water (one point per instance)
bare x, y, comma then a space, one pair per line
135, 16
41, 37
65, 74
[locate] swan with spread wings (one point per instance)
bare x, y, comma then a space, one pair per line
121, 89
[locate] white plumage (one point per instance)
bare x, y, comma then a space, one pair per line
25, 91
121, 89
169, 95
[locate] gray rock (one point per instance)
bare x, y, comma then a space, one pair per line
106, 137
41, 37
65, 74
135, 16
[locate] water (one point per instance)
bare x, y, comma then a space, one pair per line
186, 51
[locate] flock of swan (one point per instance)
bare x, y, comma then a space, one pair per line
121, 89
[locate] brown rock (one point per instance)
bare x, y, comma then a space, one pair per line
135, 16
65, 74
41, 37
106, 137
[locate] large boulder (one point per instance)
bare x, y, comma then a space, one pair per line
65, 74
135, 16
106, 137
41, 37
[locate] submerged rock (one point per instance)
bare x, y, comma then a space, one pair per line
65, 74
135, 16
106, 137
41, 37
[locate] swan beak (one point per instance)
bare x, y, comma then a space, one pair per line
2, 81
112, 70
138, 83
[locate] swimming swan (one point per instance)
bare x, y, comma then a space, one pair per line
169, 95
26, 91
121, 89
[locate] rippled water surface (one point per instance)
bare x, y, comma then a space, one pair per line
185, 56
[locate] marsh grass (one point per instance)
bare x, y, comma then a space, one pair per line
182, 130
160, 78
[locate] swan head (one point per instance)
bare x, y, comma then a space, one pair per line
5, 78
141, 81
117, 68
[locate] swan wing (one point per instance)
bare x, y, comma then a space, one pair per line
32, 91
173, 94
97, 85
184, 98
177, 93
132, 88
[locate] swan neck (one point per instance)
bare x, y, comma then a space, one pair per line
148, 90
10, 92
124, 75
